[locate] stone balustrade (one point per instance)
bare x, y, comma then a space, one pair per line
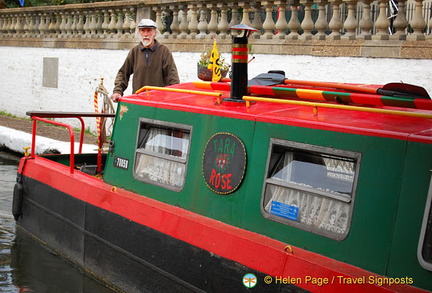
317, 27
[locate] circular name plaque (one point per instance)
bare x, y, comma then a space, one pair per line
224, 163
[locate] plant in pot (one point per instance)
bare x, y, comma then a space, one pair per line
206, 74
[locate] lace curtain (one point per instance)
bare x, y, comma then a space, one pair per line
313, 210
173, 144
316, 211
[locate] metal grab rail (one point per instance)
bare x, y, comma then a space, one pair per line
41, 115
317, 105
72, 139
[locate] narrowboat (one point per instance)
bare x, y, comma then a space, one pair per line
265, 185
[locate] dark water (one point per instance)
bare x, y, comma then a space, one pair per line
25, 266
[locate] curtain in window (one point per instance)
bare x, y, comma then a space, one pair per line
313, 210
164, 171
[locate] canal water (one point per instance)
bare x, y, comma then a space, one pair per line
25, 266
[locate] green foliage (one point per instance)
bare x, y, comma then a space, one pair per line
4, 113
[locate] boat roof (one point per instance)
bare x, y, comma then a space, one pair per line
390, 122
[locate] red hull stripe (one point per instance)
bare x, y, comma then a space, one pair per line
250, 249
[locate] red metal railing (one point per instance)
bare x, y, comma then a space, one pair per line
41, 115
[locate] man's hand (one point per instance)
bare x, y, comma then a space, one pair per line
115, 97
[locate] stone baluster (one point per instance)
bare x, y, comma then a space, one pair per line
294, 23
193, 23
2, 18
245, 15
27, 26
307, 24
223, 22
133, 24
268, 24
25, 22
58, 17
18, 26
382, 23
366, 22
63, 22
335, 23
80, 24
74, 26
105, 23
175, 25
167, 14
2, 26
112, 24
92, 24
69, 24
350, 23
51, 25
257, 21
281, 23
213, 25
417, 23
184, 26
43, 28
6, 25
159, 24
321, 23
119, 23
11, 26
36, 26
400, 23
7, 19
234, 14
87, 32
202, 24
126, 24
98, 24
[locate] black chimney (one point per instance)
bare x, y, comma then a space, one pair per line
239, 63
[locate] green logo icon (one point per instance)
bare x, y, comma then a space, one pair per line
250, 280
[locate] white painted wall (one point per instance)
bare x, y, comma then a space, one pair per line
80, 71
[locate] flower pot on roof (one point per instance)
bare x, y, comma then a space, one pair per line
202, 66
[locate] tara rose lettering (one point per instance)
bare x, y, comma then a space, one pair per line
218, 180
224, 163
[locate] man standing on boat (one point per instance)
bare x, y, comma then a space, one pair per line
150, 63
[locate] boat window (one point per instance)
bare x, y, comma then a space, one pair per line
425, 243
162, 152
310, 187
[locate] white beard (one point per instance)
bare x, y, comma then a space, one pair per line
146, 42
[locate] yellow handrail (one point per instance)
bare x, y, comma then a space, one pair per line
147, 88
248, 99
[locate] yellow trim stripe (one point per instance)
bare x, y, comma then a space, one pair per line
147, 88
248, 99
